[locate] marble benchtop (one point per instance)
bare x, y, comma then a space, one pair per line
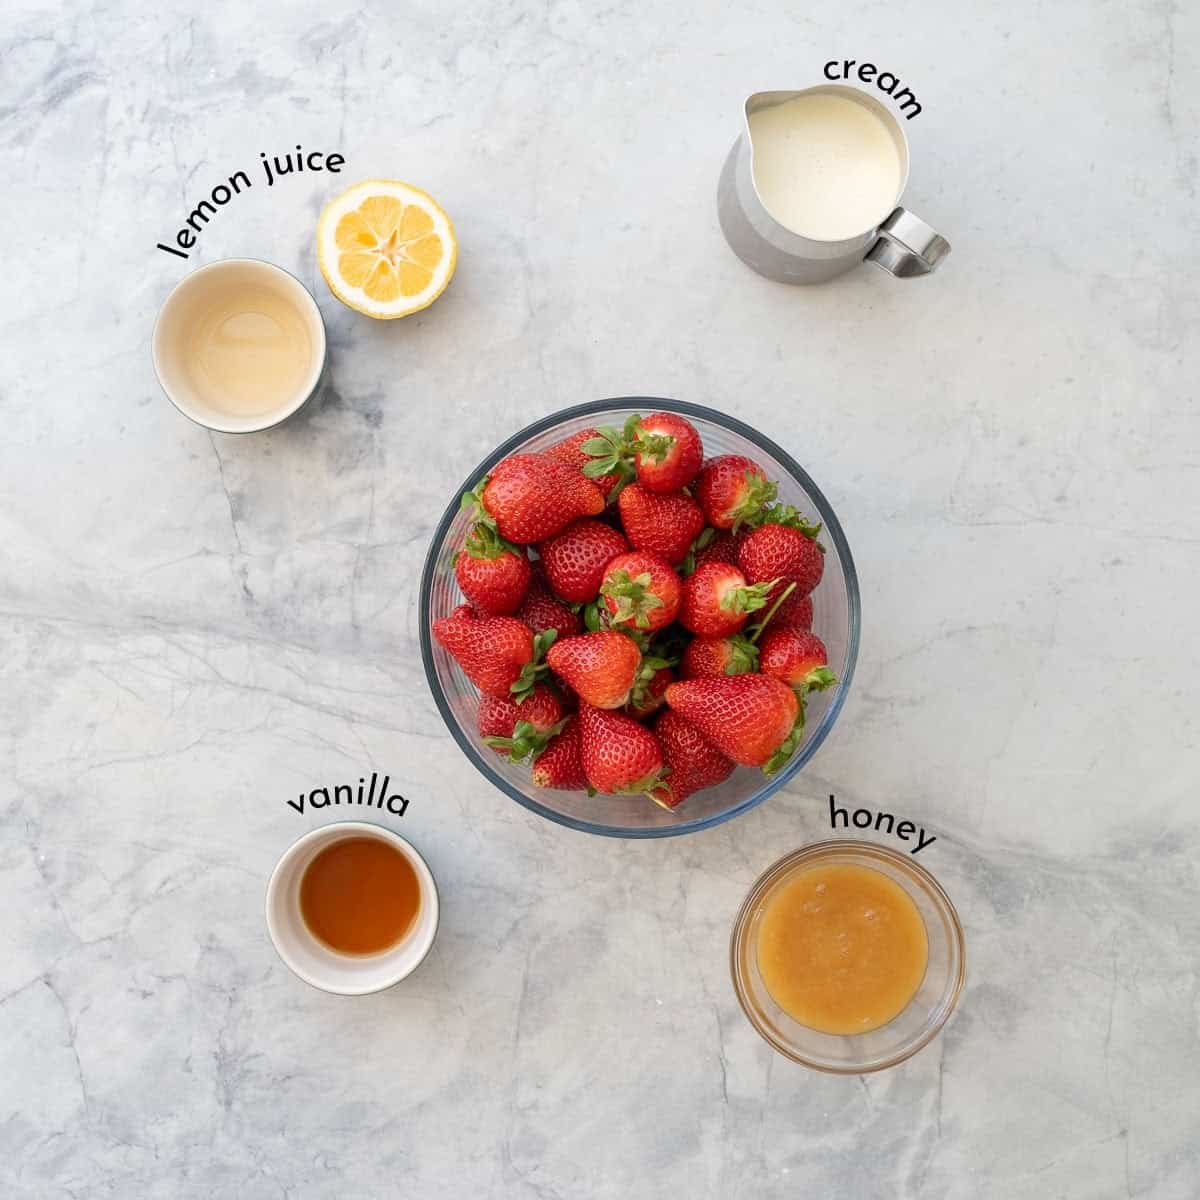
195, 627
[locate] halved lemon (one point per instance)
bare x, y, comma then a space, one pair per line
386, 248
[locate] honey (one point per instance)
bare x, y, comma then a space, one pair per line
842, 948
360, 895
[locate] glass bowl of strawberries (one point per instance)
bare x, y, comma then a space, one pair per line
639, 617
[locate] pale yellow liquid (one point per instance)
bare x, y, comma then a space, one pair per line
825, 167
248, 351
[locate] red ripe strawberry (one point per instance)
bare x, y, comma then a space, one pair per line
732, 490
785, 547
662, 525
756, 720
493, 575
693, 760
798, 658
499, 655
724, 548
574, 559
714, 546
520, 729
796, 612
667, 452
717, 600
649, 689
560, 765
541, 610
735, 655
600, 667
619, 755
529, 497
640, 591
464, 612
570, 451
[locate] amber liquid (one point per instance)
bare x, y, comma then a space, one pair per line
842, 948
360, 896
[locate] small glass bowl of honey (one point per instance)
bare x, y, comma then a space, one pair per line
847, 957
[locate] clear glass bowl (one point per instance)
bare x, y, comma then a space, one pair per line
835, 621
916, 1026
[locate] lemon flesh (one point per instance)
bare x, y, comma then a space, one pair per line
386, 248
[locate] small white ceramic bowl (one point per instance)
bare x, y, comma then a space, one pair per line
318, 964
185, 306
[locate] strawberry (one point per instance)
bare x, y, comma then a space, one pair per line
640, 590
600, 667
662, 525
667, 452
529, 497
560, 765
464, 612
542, 610
796, 612
570, 451
499, 655
735, 655
733, 490
717, 600
649, 689
723, 548
798, 658
756, 720
574, 559
785, 548
619, 755
493, 574
663, 449
520, 729
713, 545
693, 760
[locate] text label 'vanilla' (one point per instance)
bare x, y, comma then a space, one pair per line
365, 796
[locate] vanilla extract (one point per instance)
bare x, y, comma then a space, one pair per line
344, 793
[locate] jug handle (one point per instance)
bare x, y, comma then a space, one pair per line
907, 247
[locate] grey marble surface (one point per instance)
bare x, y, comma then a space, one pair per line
193, 628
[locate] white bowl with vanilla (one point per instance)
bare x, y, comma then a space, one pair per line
352, 908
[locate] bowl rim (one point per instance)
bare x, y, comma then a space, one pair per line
872, 853
830, 525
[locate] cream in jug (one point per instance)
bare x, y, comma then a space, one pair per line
825, 167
